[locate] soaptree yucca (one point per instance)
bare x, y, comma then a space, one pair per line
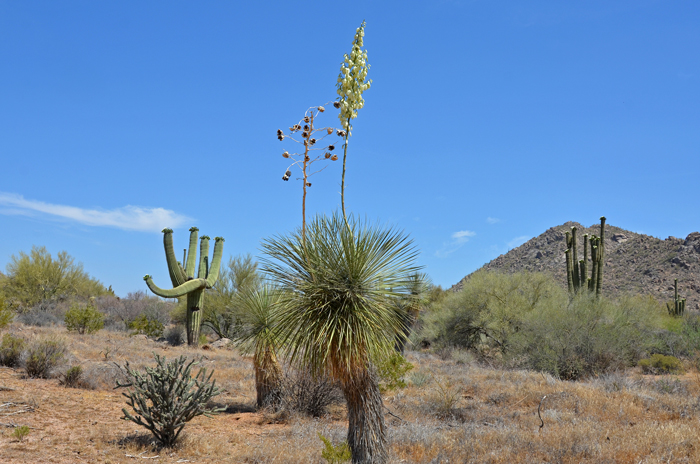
255, 308
338, 311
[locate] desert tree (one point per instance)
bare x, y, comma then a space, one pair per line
37, 279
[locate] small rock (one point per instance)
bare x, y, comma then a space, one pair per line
221, 343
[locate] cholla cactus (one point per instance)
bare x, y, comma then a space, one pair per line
352, 82
312, 139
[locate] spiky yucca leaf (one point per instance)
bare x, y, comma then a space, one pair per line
338, 306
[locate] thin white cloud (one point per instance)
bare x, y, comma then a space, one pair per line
459, 238
127, 218
463, 236
517, 241
492, 220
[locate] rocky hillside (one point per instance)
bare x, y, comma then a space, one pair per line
634, 263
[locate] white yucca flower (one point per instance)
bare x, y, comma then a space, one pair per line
352, 80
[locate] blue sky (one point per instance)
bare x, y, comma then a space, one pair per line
487, 123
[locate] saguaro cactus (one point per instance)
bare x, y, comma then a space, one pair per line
577, 271
678, 307
184, 282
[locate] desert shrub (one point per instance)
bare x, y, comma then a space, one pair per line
335, 454
175, 335
73, 378
300, 392
147, 326
489, 310
84, 319
443, 398
11, 349
391, 371
43, 356
39, 318
166, 397
21, 432
661, 364
6, 314
588, 336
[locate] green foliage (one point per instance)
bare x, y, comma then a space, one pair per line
661, 364
43, 356
339, 287
11, 350
6, 314
147, 326
84, 319
588, 336
38, 279
221, 306
73, 378
21, 432
335, 454
166, 397
489, 309
391, 371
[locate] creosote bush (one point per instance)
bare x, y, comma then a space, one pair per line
11, 349
43, 356
391, 371
166, 397
73, 378
84, 319
335, 454
661, 364
148, 326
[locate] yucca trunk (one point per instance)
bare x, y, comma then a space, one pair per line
267, 376
366, 431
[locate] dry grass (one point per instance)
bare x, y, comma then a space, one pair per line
453, 411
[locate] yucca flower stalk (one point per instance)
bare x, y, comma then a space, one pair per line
352, 82
311, 138
258, 337
337, 311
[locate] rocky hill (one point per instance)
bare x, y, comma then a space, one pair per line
634, 263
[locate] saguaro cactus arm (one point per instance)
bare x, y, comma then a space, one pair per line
177, 274
192, 253
203, 257
180, 290
215, 262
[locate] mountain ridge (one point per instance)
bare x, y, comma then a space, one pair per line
634, 263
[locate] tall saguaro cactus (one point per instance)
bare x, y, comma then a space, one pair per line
678, 307
183, 280
577, 271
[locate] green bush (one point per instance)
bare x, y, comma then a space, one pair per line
166, 397
84, 319
21, 432
11, 349
392, 371
335, 454
661, 364
6, 314
147, 326
489, 310
588, 336
43, 356
73, 378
